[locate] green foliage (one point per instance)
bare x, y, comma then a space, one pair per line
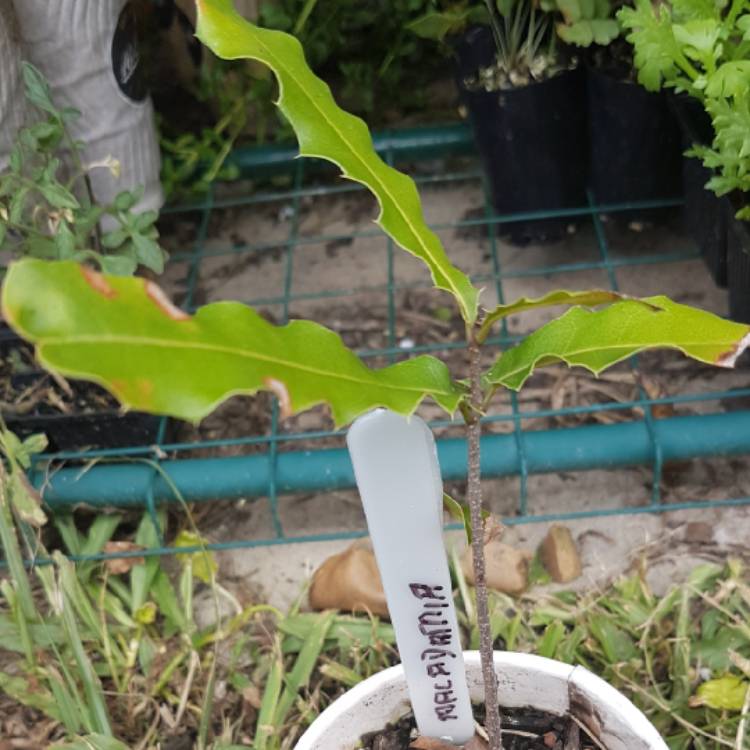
126, 336
233, 93
701, 48
91, 742
72, 694
355, 43
377, 68
124, 628
590, 298
46, 210
123, 334
683, 45
525, 44
630, 637
584, 22
729, 155
437, 24
599, 339
327, 132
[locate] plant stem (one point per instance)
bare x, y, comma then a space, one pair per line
474, 495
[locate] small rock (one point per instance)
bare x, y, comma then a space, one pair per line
699, 532
507, 567
349, 581
559, 554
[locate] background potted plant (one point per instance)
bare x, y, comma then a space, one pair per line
526, 100
126, 335
698, 51
632, 132
47, 210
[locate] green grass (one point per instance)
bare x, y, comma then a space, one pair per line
111, 652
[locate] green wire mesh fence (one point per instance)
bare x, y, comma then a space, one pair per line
699, 415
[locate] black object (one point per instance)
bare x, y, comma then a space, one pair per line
738, 264
474, 49
705, 215
107, 428
70, 432
531, 140
635, 147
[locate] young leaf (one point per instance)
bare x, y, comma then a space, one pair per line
327, 132
57, 195
37, 89
652, 36
598, 339
124, 334
149, 253
589, 298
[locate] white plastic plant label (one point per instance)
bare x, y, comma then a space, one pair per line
396, 468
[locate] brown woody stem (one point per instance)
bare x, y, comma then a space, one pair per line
474, 494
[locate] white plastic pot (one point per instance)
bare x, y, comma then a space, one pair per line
87, 51
524, 681
13, 109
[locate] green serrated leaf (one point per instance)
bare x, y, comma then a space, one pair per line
699, 36
327, 132
588, 298
124, 334
651, 34
597, 339
730, 79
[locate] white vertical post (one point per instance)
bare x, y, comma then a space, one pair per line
397, 473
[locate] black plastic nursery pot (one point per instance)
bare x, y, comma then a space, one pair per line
531, 140
738, 264
705, 215
86, 418
635, 151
